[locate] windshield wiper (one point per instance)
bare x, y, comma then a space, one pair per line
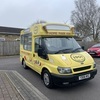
77, 49
62, 50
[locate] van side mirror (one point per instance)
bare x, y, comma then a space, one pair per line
42, 53
82, 47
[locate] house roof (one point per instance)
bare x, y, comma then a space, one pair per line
10, 30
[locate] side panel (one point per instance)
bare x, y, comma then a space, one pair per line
26, 48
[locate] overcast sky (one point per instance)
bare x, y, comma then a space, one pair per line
22, 13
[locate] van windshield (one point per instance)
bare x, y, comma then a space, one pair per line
58, 45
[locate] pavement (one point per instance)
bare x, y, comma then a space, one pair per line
13, 86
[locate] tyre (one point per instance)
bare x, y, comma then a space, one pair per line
47, 79
24, 65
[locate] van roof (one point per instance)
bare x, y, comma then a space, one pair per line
48, 29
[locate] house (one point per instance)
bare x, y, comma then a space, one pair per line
9, 33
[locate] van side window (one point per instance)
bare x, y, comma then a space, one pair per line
37, 44
22, 39
26, 41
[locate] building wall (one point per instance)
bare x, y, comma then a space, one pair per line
9, 37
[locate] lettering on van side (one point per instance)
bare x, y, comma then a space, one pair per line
58, 33
37, 62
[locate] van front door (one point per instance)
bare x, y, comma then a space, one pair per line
36, 60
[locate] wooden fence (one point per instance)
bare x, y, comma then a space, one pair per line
8, 48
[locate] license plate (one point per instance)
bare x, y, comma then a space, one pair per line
84, 77
92, 53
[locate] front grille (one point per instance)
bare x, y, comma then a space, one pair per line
82, 68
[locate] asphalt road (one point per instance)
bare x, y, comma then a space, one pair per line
86, 91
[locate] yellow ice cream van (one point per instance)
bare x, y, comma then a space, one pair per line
51, 50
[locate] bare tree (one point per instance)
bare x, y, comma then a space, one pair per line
86, 17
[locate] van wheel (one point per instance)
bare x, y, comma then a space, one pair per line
47, 79
24, 65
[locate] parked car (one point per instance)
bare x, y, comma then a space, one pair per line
94, 50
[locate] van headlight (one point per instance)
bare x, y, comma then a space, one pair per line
63, 70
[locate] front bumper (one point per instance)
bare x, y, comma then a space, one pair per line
70, 79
